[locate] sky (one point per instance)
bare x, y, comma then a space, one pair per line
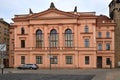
9, 8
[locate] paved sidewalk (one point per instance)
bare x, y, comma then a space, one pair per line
113, 76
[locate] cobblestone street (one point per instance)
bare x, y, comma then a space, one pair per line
61, 74
26, 76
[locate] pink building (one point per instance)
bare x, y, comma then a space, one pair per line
59, 39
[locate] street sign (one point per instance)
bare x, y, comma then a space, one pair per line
2, 47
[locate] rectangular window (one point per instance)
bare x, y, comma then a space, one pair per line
99, 46
107, 61
86, 29
38, 59
53, 60
107, 46
22, 43
69, 60
87, 60
99, 34
22, 59
107, 34
86, 43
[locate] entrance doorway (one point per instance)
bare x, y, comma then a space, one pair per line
6, 63
99, 61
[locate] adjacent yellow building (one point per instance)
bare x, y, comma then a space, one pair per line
59, 39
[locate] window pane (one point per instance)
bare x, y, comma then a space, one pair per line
38, 59
108, 61
108, 46
87, 60
69, 60
99, 46
68, 38
86, 43
53, 38
22, 59
99, 34
54, 60
86, 29
107, 34
22, 31
39, 39
22, 43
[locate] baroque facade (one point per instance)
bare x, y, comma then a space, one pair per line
59, 39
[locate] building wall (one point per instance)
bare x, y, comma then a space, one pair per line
114, 7
4, 39
60, 21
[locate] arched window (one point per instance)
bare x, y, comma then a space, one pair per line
22, 30
87, 43
53, 38
68, 38
107, 34
86, 29
100, 46
39, 39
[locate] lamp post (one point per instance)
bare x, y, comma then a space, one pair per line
49, 52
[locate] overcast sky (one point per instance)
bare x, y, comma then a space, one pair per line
9, 8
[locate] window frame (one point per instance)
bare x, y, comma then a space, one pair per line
68, 38
39, 60
22, 59
86, 43
22, 43
99, 34
53, 38
107, 34
69, 59
86, 29
22, 30
54, 60
108, 61
87, 60
39, 38
99, 46
108, 46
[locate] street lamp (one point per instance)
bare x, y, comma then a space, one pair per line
49, 51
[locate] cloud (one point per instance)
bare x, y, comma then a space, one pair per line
10, 8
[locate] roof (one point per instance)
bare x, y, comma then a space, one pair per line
4, 22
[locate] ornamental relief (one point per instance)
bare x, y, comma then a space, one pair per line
52, 15
68, 27
56, 27
35, 28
